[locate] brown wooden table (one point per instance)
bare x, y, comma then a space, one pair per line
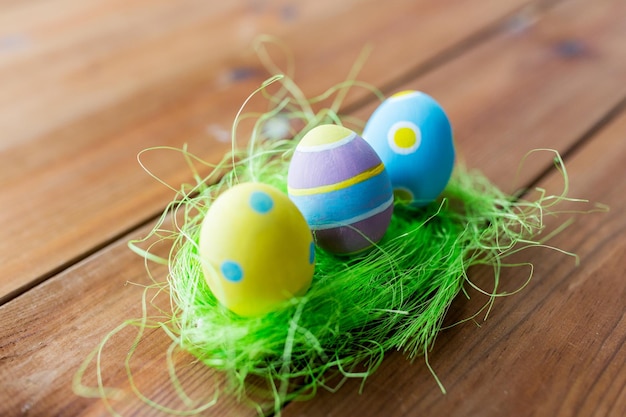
85, 86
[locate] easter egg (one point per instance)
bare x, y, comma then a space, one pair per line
342, 188
256, 249
412, 135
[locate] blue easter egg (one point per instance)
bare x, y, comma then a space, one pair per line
412, 135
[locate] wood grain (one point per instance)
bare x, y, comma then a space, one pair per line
547, 78
64, 319
556, 349
96, 85
543, 77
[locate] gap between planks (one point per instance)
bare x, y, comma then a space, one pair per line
613, 114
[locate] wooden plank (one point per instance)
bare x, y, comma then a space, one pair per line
96, 85
541, 83
47, 333
553, 350
16, 349
91, 56
535, 355
556, 349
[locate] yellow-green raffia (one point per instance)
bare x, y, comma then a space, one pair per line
393, 297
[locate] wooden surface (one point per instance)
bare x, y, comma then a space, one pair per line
85, 86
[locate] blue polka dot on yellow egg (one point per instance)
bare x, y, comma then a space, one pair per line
232, 271
256, 249
312, 253
261, 202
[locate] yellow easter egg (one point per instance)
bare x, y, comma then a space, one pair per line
256, 249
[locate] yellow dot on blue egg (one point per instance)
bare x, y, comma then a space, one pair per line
312, 253
404, 137
232, 271
261, 202
403, 93
403, 195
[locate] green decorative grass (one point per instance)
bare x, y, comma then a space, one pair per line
393, 297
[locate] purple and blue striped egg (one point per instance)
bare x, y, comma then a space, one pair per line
413, 137
342, 188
